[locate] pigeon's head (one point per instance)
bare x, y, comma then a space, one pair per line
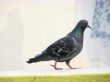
83, 24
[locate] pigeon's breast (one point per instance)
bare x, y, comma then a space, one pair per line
79, 44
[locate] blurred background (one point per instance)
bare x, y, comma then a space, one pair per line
27, 27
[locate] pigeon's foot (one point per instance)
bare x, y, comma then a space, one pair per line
56, 67
67, 63
74, 68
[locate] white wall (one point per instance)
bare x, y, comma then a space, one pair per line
11, 37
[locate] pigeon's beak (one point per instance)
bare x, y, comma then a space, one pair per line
89, 26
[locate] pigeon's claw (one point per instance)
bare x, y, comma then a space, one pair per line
74, 68
70, 67
56, 67
67, 63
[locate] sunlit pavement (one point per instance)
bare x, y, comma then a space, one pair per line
56, 72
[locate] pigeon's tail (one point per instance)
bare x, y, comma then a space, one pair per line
31, 60
40, 57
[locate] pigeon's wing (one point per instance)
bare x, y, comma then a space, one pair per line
62, 47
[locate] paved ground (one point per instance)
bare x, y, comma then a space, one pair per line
56, 72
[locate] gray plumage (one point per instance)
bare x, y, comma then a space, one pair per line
65, 48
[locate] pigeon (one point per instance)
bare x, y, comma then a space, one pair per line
65, 49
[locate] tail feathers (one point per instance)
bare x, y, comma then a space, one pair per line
41, 57
31, 60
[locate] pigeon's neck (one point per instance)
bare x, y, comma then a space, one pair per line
77, 32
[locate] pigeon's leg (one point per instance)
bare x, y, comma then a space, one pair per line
67, 63
55, 66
